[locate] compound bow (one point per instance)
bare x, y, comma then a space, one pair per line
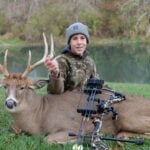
97, 113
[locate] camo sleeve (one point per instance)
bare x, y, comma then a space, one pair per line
56, 85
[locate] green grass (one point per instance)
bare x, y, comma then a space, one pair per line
10, 141
11, 42
136, 89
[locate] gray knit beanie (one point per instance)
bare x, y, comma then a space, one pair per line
76, 28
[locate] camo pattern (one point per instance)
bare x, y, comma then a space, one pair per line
74, 71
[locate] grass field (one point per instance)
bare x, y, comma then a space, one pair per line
10, 141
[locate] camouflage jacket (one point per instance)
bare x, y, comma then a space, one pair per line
74, 71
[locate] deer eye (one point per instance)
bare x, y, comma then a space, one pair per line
5, 86
21, 88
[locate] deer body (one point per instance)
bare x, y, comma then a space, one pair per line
56, 115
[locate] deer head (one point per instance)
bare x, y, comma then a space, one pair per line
16, 83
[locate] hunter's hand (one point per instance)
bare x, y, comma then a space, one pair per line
52, 65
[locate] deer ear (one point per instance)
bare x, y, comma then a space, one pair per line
37, 84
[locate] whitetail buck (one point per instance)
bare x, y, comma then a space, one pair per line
55, 115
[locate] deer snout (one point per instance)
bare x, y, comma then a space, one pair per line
10, 103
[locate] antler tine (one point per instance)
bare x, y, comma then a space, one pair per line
52, 47
29, 58
3, 68
35, 65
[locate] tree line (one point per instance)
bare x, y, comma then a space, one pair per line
26, 19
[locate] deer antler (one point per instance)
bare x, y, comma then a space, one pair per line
52, 47
3, 68
35, 65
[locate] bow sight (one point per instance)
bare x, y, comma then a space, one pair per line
97, 112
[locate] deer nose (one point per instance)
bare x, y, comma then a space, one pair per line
10, 103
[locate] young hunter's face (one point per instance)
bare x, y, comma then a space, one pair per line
78, 44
